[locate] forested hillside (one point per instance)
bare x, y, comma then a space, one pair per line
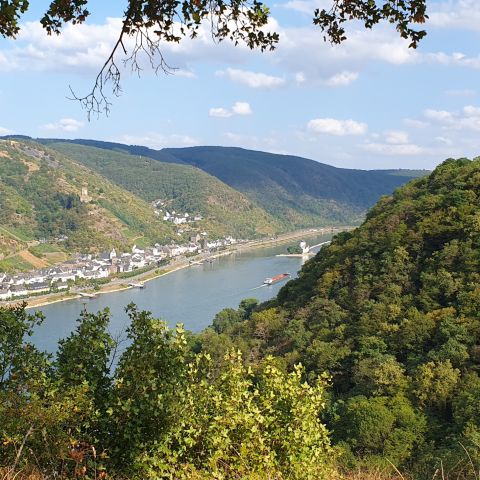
294, 188
385, 320
184, 188
40, 202
391, 311
297, 191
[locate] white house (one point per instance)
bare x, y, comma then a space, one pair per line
5, 294
192, 248
137, 261
135, 249
18, 291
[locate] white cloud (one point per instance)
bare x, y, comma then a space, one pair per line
341, 79
269, 143
396, 137
241, 108
85, 48
438, 115
305, 6
456, 59
395, 143
238, 108
64, 125
157, 140
415, 123
220, 112
5, 131
252, 79
301, 53
184, 73
82, 47
455, 14
443, 140
408, 149
471, 111
466, 119
300, 78
332, 126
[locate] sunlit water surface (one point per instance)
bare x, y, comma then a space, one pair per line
191, 296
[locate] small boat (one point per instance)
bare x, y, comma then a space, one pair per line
137, 285
275, 279
87, 295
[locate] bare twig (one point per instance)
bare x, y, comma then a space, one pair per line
471, 461
20, 450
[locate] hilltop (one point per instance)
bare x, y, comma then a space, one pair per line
297, 191
231, 191
182, 187
391, 311
44, 220
43, 216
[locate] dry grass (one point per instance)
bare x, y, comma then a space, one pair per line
8, 474
32, 259
376, 474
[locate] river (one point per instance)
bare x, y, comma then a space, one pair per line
191, 296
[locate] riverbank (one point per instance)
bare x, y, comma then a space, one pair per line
117, 285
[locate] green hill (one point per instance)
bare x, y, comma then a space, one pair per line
297, 191
293, 188
40, 202
182, 187
391, 311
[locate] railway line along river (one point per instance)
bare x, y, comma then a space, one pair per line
191, 296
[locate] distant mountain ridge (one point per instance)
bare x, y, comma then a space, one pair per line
183, 188
297, 191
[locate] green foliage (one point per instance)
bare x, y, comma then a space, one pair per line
235, 427
15, 263
162, 412
405, 15
39, 199
392, 312
38, 420
185, 189
84, 357
295, 191
380, 429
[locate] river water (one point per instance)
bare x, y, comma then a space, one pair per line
191, 296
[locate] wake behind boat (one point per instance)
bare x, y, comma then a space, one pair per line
276, 278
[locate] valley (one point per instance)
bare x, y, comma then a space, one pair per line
61, 198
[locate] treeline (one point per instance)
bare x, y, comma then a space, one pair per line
391, 311
184, 188
162, 410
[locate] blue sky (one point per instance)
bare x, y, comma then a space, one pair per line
369, 103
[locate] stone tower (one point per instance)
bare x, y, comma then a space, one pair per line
84, 197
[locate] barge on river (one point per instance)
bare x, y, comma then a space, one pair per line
276, 278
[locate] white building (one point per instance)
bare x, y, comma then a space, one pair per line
5, 294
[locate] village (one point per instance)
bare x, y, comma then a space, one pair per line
83, 268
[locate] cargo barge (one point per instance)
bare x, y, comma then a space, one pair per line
276, 278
